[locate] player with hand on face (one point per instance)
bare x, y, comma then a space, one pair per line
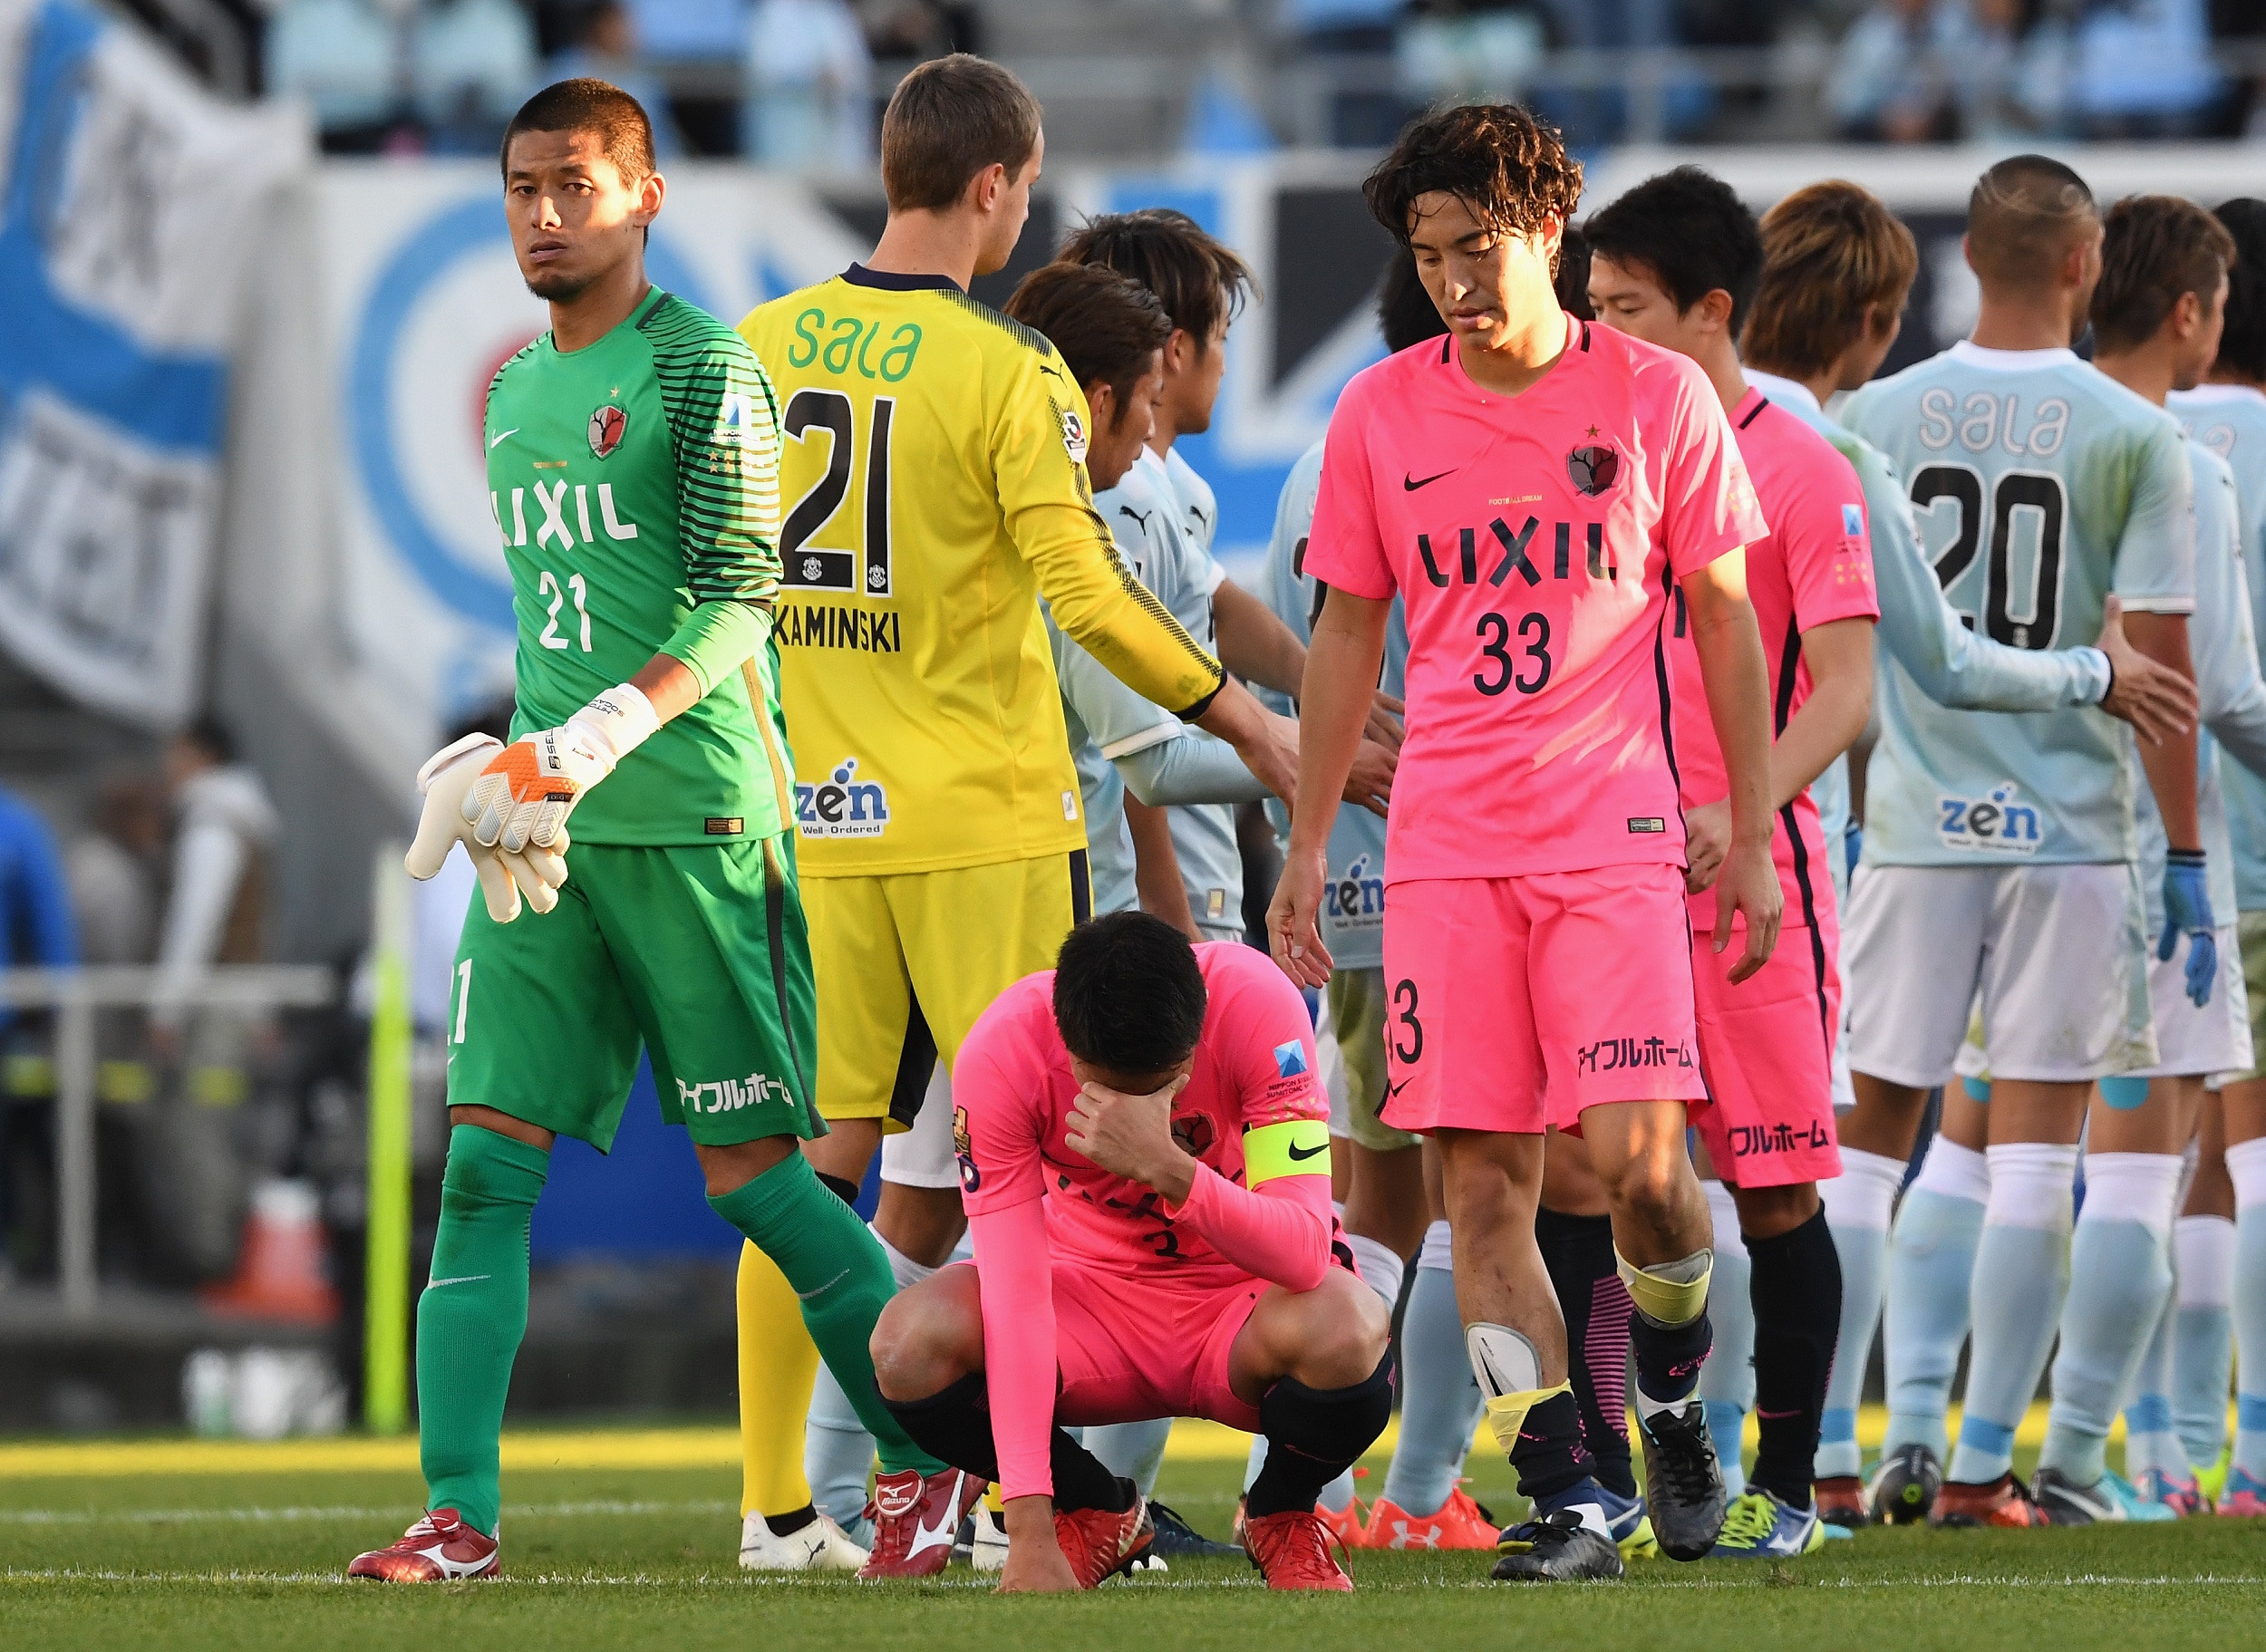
934, 470
633, 453
1146, 1164
2001, 854
1109, 334
1532, 486
1675, 262
1163, 516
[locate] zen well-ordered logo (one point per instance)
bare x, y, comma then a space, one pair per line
1993, 825
1615, 1055
842, 806
729, 1094
1357, 898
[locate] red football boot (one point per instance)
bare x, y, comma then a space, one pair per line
1841, 1501
1292, 1550
1099, 1543
438, 1548
916, 1521
2003, 1501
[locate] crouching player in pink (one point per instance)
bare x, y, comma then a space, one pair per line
1145, 1159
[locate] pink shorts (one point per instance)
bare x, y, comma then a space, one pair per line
1767, 1048
1516, 1002
1131, 1346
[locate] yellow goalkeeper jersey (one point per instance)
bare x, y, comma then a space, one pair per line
933, 481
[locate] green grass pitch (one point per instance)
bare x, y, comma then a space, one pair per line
645, 1559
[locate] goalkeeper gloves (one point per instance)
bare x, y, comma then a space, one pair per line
444, 780
530, 787
2187, 910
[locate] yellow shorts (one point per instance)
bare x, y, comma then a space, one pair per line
904, 965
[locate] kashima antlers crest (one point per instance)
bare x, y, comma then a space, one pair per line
1594, 467
608, 425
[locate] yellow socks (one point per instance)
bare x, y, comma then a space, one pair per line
778, 1364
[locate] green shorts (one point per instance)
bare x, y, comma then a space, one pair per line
1357, 1015
698, 953
2250, 930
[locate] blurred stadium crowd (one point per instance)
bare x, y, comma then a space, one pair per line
799, 83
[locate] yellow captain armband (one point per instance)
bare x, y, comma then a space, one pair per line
1295, 1147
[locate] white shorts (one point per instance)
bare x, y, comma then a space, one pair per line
2053, 955
923, 1155
2213, 1039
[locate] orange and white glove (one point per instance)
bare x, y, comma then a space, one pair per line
447, 775
530, 787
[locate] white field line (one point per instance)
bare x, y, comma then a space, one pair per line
72, 1574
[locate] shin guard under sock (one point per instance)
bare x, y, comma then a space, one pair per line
1578, 1253
2021, 1279
1797, 1296
1314, 1435
1931, 1269
1670, 1335
472, 1317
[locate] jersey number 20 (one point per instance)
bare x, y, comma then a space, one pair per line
816, 568
2036, 492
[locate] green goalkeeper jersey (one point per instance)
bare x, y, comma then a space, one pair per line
636, 484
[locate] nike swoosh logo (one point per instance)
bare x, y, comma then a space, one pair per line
492, 441
805, 1295
1310, 1152
461, 1278
1412, 483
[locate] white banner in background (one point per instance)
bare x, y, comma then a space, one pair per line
129, 197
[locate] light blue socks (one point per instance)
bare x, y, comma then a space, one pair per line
1727, 1382
1439, 1400
2021, 1278
2203, 1335
1930, 1265
1858, 1203
2120, 1263
2246, 1164
1135, 1451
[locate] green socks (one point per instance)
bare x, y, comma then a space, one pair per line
471, 1316
838, 1269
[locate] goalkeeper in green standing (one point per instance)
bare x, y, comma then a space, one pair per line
633, 468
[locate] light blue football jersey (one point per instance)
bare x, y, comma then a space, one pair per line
2229, 420
1104, 719
1199, 506
1147, 517
2038, 487
1921, 636
2219, 637
1354, 906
